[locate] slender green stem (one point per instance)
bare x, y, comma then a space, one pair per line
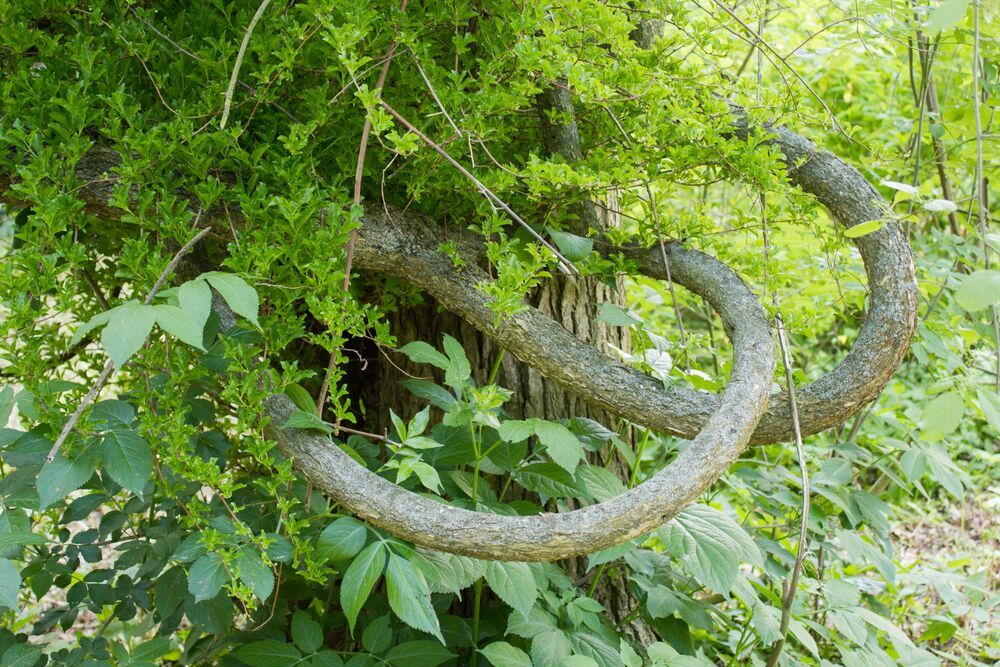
477, 601
634, 476
597, 578
496, 366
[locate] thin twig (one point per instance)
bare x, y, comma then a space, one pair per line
565, 265
109, 367
981, 179
434, 94
789, 587
239, 62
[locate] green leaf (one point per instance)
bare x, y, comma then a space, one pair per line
342, 539
254, 572
127, 331
195, 297
550, 648
128, 459
178, 323
864, 228
600, 483
513, 583
515, 430
91, 324
547, 479
151, 650
942, 416
989, 403
112, 414
459, 370
616, 316
574, 248
268, 653
710, 546
61, 476
306, 633
307, 421
947, 15
10, 584
438, 396
502, 654
449, 573
420, 352
207, 577
409, 596
418, 652
979, 290
240, 296
21, 655
359, 580
563, 447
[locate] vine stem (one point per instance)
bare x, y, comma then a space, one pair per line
109, 367
789, 587
239, 62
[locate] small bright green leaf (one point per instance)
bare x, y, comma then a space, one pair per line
409, 596
502, 654
360, 578
864, 228
178, 323
979, 290
195, 297
513, 583
10, 583
421, 353
342, 539
240, 296
128, 459
306, 633
207, 577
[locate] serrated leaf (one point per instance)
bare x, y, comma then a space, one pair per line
600, 483
240, 296
503, 654
127, 331
409, 596
358, 581
562, 446
113, 414
449, 573
547, 479
459, 370
128, 459
268, 653
307, 420
342, 539
710, 546
515, 430
10, 584
178, 323
513, 583
207, 577
254, 572
61, 476
306, 633
550, 648
979, 290
195, 297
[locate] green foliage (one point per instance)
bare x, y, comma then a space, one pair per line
168, 529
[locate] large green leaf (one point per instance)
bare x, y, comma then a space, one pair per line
562, 446
342, 539
306, 632
513, 583
409, 596
710, 546
195, 298
268, 653
979, 290
254, 572
10, 584
61, 476
127, 331
207, 577
128, 459
360, 578
181, 324
240, 296
550, 648
503, 654
418, 652
548, 479
942, 416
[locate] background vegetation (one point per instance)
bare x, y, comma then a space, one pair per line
169, 529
